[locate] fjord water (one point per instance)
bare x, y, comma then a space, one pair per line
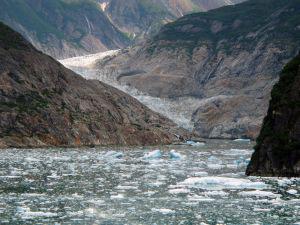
189, 185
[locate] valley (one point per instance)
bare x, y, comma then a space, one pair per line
150, 112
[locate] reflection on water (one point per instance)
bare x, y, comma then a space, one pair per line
189, 185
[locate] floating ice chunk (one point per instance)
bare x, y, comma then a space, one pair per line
201, 174
163, 211
179, 191
214, 163
235, 152
175, 155
113, 154
242, 140
118, 196
197, 198
31, 159
126, 187
220, 183
261, 210
193, 143
242, 162
216, 193
215, 166
97, 202
25, 213
259, 194
90, 211
284, 182
292, 191
214, 159
10, 177
156, 154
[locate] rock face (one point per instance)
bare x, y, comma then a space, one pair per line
228, 58
277, 152
63, 28
44, 104
141, 18
68, 28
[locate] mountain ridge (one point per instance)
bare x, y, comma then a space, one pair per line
44, 104
226, 58
69, 28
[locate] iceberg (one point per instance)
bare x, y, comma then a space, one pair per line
242, 140
156, 154
163, 211
242, 162
258, 193
175, 155
292, 191
195, 144
113, 154
222, 183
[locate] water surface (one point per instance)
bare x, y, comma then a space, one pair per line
200, 184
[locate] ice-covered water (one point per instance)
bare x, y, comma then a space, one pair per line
205, 184
179, 110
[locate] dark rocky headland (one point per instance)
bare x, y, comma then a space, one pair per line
277, 152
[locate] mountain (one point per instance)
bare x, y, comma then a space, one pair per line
277, 152
68, 28
225, 60
44, 104
63, 28
139, 18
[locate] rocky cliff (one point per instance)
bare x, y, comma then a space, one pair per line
277, 152
63, 28
140, 18
228, 59
44, 104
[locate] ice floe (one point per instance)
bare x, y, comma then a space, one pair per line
242, 162
197, 198
113, 154
216, 193
26, 213
195, 144
259, 194
156, 154
292, 191
234, 152
220, 183
179, 191
175, 155
163, 211
118, 196
242, 140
